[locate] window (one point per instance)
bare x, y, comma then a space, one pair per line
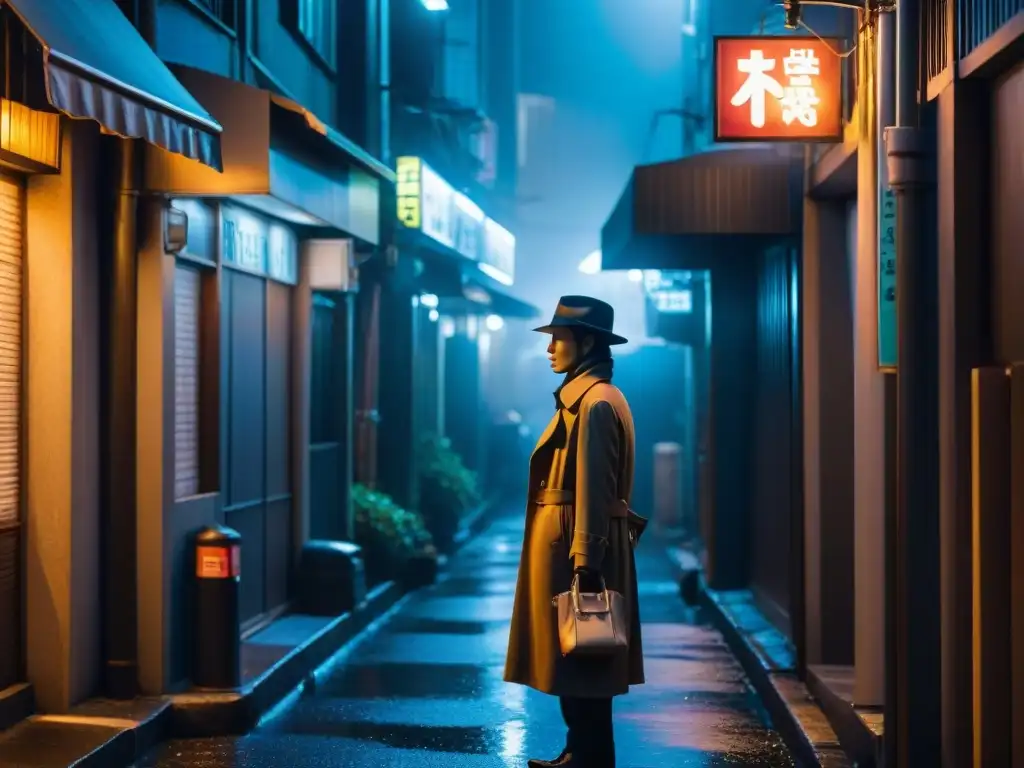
317, 23
187, 323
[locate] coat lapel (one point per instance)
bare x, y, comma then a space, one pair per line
569, 396
545, 436
571, 393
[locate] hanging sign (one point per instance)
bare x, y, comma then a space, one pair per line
778, 88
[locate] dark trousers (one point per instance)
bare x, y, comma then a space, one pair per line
589, 737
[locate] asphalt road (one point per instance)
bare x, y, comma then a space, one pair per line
424, 688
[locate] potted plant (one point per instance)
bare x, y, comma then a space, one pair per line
448, 489
396, 543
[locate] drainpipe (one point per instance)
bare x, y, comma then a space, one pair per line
120, 615
912, 707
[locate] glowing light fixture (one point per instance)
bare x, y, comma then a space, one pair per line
635, 275
592, 264
494, 323
428, 300
433, 315
32, 135
435, 5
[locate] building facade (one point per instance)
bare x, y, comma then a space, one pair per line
899, 612
66, 210
235, 318
452, 86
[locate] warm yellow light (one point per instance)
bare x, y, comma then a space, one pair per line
407, 191
29, 134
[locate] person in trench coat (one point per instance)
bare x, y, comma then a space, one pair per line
580, 482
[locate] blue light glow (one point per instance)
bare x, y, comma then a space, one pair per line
592, 264
435, 5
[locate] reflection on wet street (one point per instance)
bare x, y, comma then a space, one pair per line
425, 689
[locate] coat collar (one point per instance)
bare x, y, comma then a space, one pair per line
569, 394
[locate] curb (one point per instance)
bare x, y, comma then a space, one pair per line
125, 731
194, 715
794, 713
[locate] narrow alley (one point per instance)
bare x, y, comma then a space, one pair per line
425, 688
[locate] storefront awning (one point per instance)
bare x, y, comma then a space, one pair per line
280, 159
97, 66
685, 213
462, 289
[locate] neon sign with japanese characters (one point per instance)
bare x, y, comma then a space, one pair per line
778, 88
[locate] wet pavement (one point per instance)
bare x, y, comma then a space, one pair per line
424, 688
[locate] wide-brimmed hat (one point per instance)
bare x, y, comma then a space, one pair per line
587, 313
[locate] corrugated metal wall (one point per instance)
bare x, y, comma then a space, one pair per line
1007, 151
771, 504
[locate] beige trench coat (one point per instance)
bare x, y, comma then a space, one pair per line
557, 537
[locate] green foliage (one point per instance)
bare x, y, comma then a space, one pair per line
443, 474
389, 535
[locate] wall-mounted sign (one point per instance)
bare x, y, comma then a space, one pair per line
430, 204
778, 88
407, 189
498, 259
259, 245
669, 290
886, 278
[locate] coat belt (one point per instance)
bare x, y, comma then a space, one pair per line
557, 497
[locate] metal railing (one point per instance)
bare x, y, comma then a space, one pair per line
978, 20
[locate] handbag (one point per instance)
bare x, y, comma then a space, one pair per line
591, 623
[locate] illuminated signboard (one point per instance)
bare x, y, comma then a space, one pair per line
430, 204
407, 189
778, 88
467, 227
886, 277
436, 201
669, 291
498, 259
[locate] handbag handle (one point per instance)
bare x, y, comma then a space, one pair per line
575, 592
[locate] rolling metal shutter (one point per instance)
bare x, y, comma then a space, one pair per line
11, 225
186, 381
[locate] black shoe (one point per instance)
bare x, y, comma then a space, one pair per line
559, 761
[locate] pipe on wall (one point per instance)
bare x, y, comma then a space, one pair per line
119, 323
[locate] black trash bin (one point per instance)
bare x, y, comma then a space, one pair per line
216, 630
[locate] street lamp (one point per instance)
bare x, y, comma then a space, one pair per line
591, 265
